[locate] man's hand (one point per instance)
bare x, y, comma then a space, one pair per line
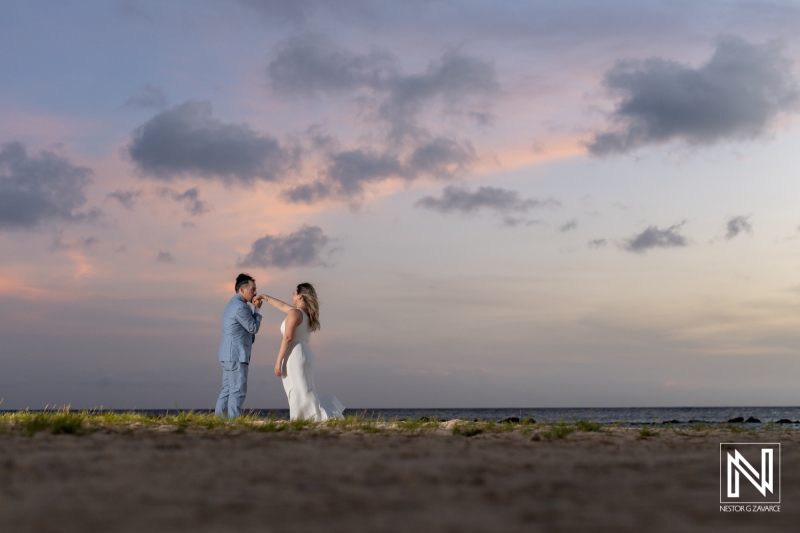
258, 302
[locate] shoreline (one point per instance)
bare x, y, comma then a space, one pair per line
84, 422
787, 418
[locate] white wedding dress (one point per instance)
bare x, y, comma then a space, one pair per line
298, 380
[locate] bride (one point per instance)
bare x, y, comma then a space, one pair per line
295, 359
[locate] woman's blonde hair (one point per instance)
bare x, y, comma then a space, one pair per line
306, 290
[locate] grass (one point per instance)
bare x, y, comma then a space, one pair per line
645, 432
559, 430
467, 429
587, 425
735, 428
64, 421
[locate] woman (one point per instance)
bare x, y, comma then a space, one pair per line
295, 359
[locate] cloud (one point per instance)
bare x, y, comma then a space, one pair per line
310, 64
187, 139
126, 198
569, 225
514, 222
308, 193
454, 80
301, 248
457, 84
654, 237
41, 188
298, 12
165, 257
190, 198
460, 84
737, 94
348, 171
737, 225
441, 158
60, 244
597, 243
460, 199
148, 97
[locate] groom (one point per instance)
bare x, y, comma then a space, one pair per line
239, 328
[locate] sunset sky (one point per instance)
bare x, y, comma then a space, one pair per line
501, 204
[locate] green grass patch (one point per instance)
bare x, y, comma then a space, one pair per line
559, 430
55, 422
646, 432
587, 425
66, 422
467, 429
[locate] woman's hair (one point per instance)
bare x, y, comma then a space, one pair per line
306, 290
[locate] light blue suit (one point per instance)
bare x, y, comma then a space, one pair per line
239, 328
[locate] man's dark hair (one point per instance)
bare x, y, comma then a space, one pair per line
242, 280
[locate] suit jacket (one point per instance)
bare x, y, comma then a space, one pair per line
239, 328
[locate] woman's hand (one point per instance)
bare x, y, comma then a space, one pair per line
277, 369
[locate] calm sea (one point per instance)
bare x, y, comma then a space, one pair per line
606, 415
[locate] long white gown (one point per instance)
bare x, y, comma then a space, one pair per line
298, 380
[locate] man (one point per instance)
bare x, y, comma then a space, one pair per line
239, 328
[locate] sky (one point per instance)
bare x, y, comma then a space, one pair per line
506, 204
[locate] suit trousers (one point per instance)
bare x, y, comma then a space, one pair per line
234, 389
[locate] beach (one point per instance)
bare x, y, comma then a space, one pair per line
221, 480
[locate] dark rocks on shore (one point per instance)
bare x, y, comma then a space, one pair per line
528, 420
510, 420
785, 421
673, 421
741, 420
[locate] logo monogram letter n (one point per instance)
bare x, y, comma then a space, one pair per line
737, 464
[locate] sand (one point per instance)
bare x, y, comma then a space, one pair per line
157, 480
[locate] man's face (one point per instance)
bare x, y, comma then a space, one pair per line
248, 291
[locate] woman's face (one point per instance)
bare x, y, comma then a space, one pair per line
296, 298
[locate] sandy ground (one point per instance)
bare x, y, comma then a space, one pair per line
223, 481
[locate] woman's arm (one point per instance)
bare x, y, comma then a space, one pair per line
277, 304
293, 319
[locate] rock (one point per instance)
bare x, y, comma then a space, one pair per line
510, 420
784, 421
424, 419
752, 420
673, 421
737, 420
528, 420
